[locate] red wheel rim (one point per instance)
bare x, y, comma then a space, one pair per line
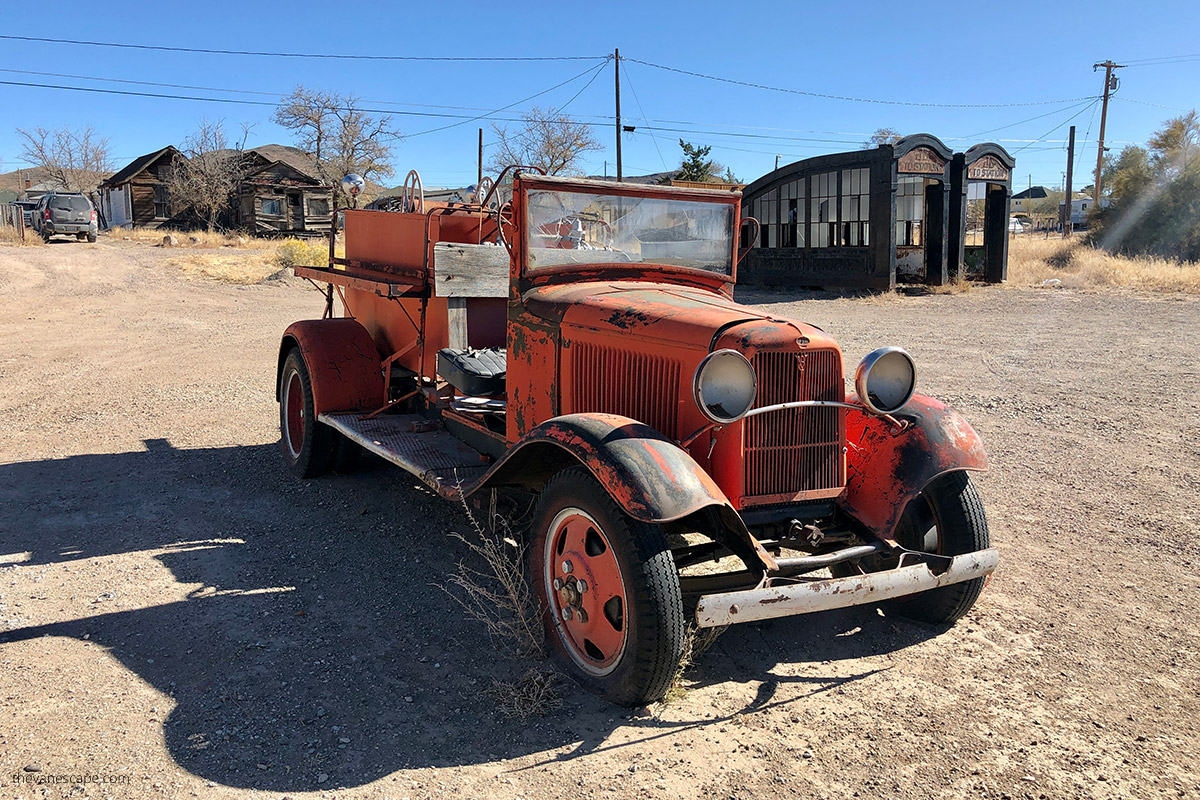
293, 407
586, 591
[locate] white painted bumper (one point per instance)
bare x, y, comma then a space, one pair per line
729, 608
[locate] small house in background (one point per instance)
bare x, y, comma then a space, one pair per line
137, 195
1024, 200
281, 193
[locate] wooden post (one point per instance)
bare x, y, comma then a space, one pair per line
617, 73
1066, 224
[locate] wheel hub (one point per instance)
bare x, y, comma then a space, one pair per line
586, 590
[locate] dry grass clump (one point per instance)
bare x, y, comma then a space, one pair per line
696, 643
231, 267
535, 694
1033, 261
204, 239
12, 236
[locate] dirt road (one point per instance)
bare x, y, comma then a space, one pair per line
179, 617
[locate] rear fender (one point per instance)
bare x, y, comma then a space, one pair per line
649, 476
342, 362
888, 467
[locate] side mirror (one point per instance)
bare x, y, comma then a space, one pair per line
748, 232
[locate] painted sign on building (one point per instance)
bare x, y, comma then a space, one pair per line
921, 161
987, 168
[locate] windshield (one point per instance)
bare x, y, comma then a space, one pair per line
70, 203
583, 228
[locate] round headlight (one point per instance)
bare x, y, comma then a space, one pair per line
725, 386
885, 380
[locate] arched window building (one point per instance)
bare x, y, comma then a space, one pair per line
912, 212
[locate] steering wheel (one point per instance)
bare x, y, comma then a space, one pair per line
412, 193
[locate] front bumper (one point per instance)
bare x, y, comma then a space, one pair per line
751, 605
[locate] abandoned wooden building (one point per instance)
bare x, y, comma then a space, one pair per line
278, 193
138, 195
870, 219
281, 193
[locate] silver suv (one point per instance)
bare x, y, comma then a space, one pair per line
65, 213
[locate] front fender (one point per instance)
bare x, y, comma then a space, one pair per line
649, 476
885, 468
342, 362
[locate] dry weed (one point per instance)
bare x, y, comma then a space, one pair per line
12, 236
497, 593
534, 695
1033, 261
695, 644
232, 267
205, 239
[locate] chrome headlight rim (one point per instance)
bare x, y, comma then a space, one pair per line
862, 380
698, 384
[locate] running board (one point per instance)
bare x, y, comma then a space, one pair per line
752, 605
417, 445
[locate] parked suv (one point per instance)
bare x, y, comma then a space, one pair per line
65, 213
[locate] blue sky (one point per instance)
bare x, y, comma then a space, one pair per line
939, 53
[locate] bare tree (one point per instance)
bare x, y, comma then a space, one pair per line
74, 160
340, 136
882, 136
207, 176
545, 139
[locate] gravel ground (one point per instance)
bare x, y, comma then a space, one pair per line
181, 618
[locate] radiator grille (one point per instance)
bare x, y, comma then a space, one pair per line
799, 449
602, 383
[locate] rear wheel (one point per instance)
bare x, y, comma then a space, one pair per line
45, 235
608, 591
307, 444
91, 237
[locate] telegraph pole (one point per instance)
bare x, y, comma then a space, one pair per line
479, 178
617, 74
1066, 222
1109, 84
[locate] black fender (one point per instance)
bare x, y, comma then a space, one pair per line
888, 466
648, 475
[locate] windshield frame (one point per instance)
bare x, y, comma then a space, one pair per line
526, 183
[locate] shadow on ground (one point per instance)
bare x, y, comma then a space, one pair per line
316, 618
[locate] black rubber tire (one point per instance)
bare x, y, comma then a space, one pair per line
315, 453
346, 455
45, 236
953, 504
91, 237
655, 625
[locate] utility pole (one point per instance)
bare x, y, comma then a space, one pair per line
617, 74
1067, 193
776, 162
1109, 84
479, 177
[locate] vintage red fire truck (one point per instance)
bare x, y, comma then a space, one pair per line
578, 341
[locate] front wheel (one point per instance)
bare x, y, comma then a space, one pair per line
608, 591
947, 518
308, 445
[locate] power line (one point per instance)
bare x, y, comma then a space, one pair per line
1031, 119
653, 138
596, 69
1147, 103
1052, 130
824, 96
351, 57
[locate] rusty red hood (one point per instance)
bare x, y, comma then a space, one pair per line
683, 315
